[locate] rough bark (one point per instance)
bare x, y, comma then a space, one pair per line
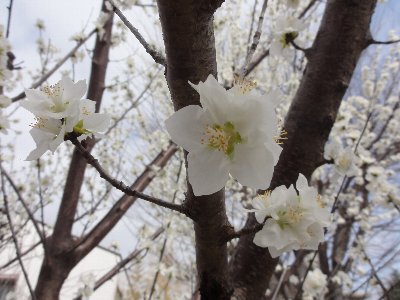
341, 38
190, 48
57, 262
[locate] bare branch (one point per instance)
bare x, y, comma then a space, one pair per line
9, 7
14, 237
256, 40
56, 67
122, 186
373, 42
22, 254
158, 57
24, 204
115, 270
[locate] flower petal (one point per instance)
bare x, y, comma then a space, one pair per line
214, 98
96, 122
253, 166
208, 171
186, 126
73, 91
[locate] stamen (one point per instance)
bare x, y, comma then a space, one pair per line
38, 123
222, 138
244, 85
282, 135
320, 202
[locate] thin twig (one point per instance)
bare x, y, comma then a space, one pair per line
279, 284
309, 6
23, 202
9, 7
157, 56
17, 250
374, 272
122, 186
133, 105
373, 42
297, 47
252, 22
56, 67
33, 247
153, 286
256, 40
300, 287
116, 269
41, 204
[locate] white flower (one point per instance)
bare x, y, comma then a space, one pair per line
4, 123
58, 101
315, 284
286, 30
100, 22
48, 134
89, 282
344, 158
296, 221
235, 132
4, 101
88, 123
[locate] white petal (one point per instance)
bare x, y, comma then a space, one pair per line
73, 91
253, 166
37, 153
96, 122
214, 98
302, 183
58, 140
208, 171
252, 114
89, 106
261, 237
186, 126
276, 48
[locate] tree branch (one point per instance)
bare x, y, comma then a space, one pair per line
90, 240
25, 206
188, 33
14, 237
9, 7
122, 186
115, 270
374, 42
256, 40
158, 57
55, 67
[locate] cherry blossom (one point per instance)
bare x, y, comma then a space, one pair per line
234, 132
295, 221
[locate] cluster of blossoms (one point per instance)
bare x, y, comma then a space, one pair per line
234, 132
59, 110
294, 220
5, 75
343, 158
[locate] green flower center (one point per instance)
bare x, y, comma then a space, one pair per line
287, 37
222, 138
78, 128
290, 216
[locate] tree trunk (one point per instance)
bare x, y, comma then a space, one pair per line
190, 47
58, 259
